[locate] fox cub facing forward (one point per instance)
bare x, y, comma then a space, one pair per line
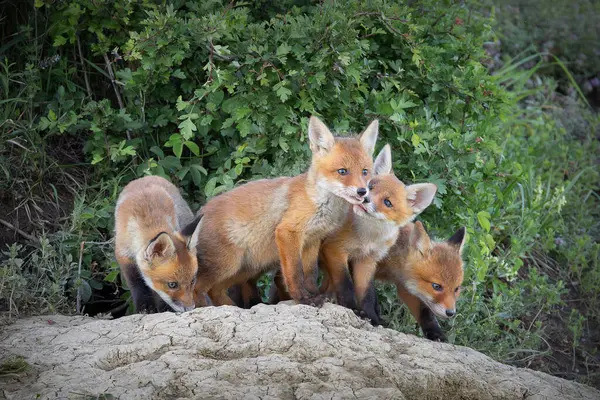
427, 275
155, 245
368, 234
269, 223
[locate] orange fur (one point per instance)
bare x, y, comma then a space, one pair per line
155, 243
415, 263
269, 223
370, 231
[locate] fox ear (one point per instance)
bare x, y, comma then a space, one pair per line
420, 196
369, 136
419, 239
383, 162
192, 232
458, 239
161, 246
320, 137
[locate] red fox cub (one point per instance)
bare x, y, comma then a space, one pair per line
427, 274
369, 233
155, 245
263, 224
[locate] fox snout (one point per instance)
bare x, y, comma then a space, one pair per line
361, 192
179, 306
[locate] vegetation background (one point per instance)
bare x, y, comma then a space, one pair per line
494, 101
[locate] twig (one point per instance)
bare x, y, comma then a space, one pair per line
20, 232
114, 85
85, 74
78, 309
438, 20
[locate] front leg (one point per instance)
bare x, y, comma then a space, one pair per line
424, 316
310, 255
289, 244
143, 296
335, 262
363, 271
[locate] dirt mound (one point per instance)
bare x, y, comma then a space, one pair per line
268, 352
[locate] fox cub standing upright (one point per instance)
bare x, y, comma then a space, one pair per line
155, 245
427, 275
268, 223
369, 233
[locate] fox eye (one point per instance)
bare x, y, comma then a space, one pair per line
365, 172
371, 186
387, 203
437, 287
172, 285
457, 289
342, 171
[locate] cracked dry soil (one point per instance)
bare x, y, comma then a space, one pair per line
268, 352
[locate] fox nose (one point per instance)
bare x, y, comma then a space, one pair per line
450, 313
366, 200
361, 191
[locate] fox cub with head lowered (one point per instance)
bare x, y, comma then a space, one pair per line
280, 223
368, 234
155, 244
427, 274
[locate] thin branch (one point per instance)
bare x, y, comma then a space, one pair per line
20, 232
85, 74
78, 309
114, 85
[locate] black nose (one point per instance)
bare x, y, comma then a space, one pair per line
366, 200
451, 313
361, 191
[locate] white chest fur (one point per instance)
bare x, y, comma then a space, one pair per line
375, 237
330, 214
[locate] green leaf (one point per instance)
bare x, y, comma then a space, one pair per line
178, 74
210, 187
239, 169
181, 105
183, 172
283, 49
484, 220
193, 147
196, 177
59, 41
112, 275
283, 93
52, 115
178, 149
283, 144
415, 139
200, 168
85, 291
187, 128
158, 151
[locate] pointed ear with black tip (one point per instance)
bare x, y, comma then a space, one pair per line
320, 137
458, 239
420, 196
192, 232
369, 137
161, 246
383, 162
419, 239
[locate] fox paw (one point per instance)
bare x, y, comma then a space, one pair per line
435, 335
314, 300
373, 319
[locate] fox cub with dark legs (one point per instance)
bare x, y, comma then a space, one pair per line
427, 274
368, 234
156, 237
280, 223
